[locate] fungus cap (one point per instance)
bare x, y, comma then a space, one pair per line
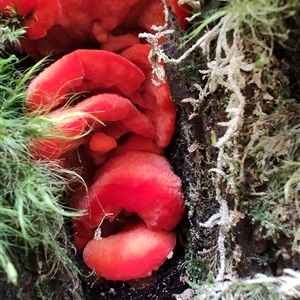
132, 253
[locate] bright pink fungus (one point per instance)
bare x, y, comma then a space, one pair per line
155, 99
37, 15
135, 142
115, 131
61, 26
76, 72
120, 42
101, 142
133, 253
139, 182
101, 107
90, 71
134, 177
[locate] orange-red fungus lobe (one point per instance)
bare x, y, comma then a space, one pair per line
140, 182
101, 142
111, 121
37, 15
132, 253
90, 71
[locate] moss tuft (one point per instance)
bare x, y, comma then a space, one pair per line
32, 193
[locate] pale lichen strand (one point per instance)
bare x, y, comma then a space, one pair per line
237, 63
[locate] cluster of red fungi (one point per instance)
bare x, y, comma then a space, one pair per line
134, 199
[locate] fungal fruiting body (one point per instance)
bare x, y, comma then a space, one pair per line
132, 253
37, 15
139, 182
113, 123
125, 142
142, 183
61, 26
89, 71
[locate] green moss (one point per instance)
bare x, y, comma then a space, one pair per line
277, 155
10, 32
261, 22
196, 271
32, 193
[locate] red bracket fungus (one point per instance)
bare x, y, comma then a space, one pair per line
101, 142
61, 26
155, 100
134, 177
133, 253
119, 125
140, 182
37, 15
82, 117
90, 71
